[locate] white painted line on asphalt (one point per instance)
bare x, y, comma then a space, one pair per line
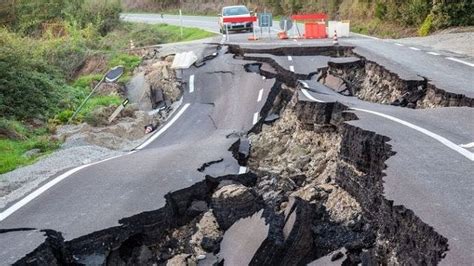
260, 95
33, 195
290, 58
366, 36
292, 68
414, 48
399, 44
435, 136
255, 118
191, 84
469, 155
432, 53
309, 96
460, 61
242, 170
163, 129
468, 145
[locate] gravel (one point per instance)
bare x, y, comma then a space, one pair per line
19, 182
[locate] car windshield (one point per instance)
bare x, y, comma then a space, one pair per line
235, 11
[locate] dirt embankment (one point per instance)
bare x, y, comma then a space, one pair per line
97, 139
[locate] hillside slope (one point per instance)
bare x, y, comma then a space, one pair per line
387, 18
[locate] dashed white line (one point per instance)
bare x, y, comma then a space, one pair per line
432, 53
255, 118
468, 145
469, 155
191, 84
460, 61
292, 68
414, 48
290, 58
260, 95
242, 170
399, 44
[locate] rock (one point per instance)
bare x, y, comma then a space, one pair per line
208, 234
201, 257
337, 256
198, 206
31, 153
178, 260
232, 202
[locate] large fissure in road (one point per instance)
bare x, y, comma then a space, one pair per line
314, 191
358, 76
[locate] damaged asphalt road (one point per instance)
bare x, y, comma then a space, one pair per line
314, 189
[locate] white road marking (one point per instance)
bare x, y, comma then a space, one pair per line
460, 61
191, 84
414, 48
242, 170
255, 118
366, 36
260, 95
309, 96
292, 68
163, 129
468, 145
469, 155
399, 44
290, 58
432, 53
33, 195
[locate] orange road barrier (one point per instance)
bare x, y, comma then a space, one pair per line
315, 24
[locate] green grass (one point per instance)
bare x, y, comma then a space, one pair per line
149, 34
12, 150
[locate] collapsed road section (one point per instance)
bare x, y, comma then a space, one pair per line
314, 192
358, 76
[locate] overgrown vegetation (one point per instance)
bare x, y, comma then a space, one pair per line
394, 18
44, 46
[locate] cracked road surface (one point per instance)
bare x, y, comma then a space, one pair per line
426, 175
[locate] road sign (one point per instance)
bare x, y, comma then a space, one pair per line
265, 20
118, 110
286, 24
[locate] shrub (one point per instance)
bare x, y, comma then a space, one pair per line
380, 10
427, 25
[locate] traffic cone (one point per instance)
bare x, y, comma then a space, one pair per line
282, 35
334, 39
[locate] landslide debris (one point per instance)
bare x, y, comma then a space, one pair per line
372, 82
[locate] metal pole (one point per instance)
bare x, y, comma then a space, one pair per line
227, 32
181, 22
86, 99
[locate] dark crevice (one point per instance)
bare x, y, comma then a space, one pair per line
205, 165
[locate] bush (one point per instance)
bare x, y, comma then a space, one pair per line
427, 25
380, 10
